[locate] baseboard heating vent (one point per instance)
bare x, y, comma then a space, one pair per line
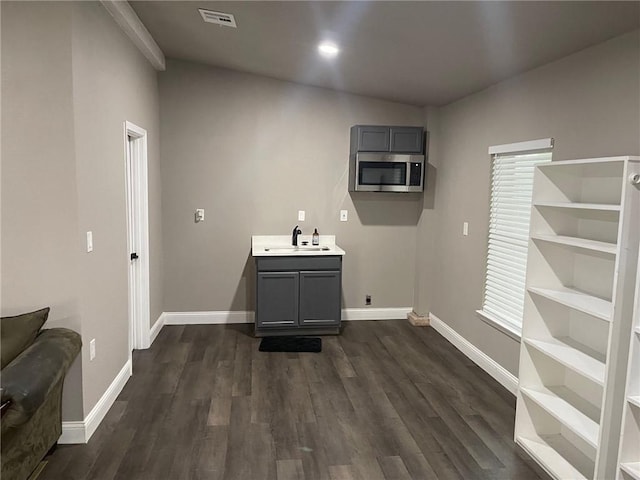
218, 18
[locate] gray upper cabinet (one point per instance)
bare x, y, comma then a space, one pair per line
371, 138
381, 138
406, 139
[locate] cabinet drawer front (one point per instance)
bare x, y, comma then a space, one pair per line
281, 264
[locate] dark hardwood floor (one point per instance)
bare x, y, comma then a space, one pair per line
384, 400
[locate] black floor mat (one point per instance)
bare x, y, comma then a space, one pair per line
291, 344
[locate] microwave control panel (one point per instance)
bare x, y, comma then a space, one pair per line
415, 174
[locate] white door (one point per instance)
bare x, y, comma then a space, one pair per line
137, 235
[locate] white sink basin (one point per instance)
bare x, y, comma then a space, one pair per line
302, 248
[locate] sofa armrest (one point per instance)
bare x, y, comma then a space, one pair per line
31, 376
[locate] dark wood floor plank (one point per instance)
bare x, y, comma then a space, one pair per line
418, 467
481, 453
456, 451
220, 399
342, 472
394, 468
366, 468
242, 368
261, 454
236, 464
289, 470
383, 400
341, 363
312, 452
210, 463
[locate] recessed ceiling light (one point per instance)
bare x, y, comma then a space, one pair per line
328, 49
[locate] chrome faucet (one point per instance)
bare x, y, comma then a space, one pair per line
294, 236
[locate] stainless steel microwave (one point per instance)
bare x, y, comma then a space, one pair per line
386, 172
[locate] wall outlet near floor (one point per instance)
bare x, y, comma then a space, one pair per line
301, 215
367, 300
465, 229
344, 215
92, 349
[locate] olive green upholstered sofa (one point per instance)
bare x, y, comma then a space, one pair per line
34, 364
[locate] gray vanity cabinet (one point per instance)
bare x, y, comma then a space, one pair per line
298, 295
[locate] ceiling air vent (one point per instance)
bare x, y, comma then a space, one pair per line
219, 18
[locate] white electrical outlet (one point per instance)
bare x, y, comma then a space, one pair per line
92, 349
199, 215
89, 242
344, 215
465, 228
301, 215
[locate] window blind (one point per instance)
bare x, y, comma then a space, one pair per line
510, 212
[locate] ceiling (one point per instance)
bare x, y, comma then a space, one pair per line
421, 53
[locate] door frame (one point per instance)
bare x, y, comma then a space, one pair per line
137, 188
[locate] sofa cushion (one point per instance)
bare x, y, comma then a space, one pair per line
18, 332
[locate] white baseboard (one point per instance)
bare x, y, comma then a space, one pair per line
73, 432
155, 330
222, 317
81, 432
493, 368
352, 314
207, 318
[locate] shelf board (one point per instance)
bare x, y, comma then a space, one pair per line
632, 469
586, 365
589, 409
607, 207
583, 302
597, 246
634, 400
565, 413
550, 459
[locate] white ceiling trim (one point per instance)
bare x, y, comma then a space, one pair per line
124, 16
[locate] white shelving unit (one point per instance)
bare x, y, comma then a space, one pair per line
581, 272
629, 462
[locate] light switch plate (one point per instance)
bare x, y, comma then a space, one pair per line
92, 349
465, 228
344, 215
199, 215
301, 215
89, 242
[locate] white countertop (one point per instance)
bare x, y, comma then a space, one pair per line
280, 246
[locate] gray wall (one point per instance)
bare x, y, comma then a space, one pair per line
70, 78
252, 151
112, 83
588, 102
40, 243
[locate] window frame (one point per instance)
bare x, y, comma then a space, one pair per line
512, 149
